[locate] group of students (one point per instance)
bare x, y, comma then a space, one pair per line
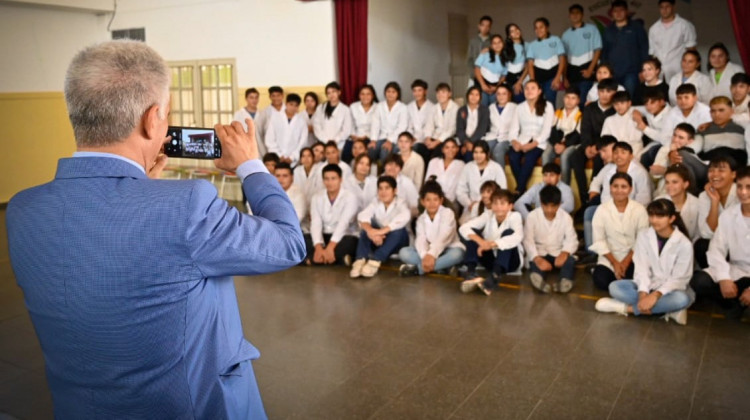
442, 198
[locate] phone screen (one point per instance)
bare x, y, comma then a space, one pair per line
193, 143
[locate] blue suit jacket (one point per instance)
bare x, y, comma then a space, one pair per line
127, 281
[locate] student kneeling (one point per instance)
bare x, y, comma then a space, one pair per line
663, 262
494, 239
550, 240
383, 225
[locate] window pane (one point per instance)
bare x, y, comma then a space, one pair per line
174, 100
187, 77
175, 77
188, 120
225, 75
210, 100
226, 117
225, 99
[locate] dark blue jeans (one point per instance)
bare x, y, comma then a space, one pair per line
505, 261
566, 271
522, 165
394, 241
629, 81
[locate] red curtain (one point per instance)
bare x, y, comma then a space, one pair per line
739, 11
351, 46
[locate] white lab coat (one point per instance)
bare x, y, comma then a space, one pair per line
262, 121
642, 184
337, 128
362, 120
287, 137
725, 81
414, 169
500, 123
389, 123
615, 232
623, 128
731, 239
442, 124
492, 230
419, 119
407, 191
396, 216
701, 82
299, 201
317, 184
365, 193
544, 237
656, 129
305, 180
338, 218
470, 182
668, 43
664, 272
446, 177
704, 207
527, 126
435, 235
689, 215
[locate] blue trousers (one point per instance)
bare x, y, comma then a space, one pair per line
498, 150
378, 154
626, 291
522, 165
447, 259
566, 271
588, 220
393, 242
504, 261
549, 156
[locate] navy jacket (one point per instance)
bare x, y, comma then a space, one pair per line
625, 48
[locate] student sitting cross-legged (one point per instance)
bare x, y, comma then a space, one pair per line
615, 226
727, 278
383, 224
436, 246
550, 241
494, 240
663, 265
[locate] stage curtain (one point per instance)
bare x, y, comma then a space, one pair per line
351, 46
739, 11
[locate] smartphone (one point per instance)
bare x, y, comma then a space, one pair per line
192, 143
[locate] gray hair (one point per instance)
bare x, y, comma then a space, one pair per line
109, 86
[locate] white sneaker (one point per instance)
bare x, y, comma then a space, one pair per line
468, 286
371, 268
348, 260
356, 270
565, 285
611, 305
538, 282
680, 317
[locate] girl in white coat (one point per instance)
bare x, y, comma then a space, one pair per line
364, 113
721, 70
691, 73
390, 120
333, 120
361, 182
305, 171
476, 172
447, 169
615, 226
676, 186
663, 267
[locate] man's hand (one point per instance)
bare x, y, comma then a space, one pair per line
713, 194
542, 263
703, 127
561, 259
237, 145
647, 302
586, 73
618, 269
745, 297
318, 255
728, 289
329, 257
161, 161
428, 263
639, 120
485, 246
515, 145
674, 156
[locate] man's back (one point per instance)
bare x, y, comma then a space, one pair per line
127, 283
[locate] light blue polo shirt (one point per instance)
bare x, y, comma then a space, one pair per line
546, 52
517, 65
581, 43
491, 71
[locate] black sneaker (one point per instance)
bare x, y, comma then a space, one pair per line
407, 270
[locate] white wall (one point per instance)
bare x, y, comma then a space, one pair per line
285, 42
409, 40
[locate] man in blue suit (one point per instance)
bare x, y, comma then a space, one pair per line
126, 277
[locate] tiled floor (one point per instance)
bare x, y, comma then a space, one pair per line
393, 348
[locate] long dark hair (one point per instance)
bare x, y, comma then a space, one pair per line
663, 207
541, 103
492, 53
330, 108
371, 88
509, 50
717, 46
487, 185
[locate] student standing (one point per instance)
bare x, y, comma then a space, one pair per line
502, 114
670, 37
727, 279
478, 44
472, 122
663, 267
493, 239
332, 228
719, 194
514, 54
583, 44
287, 137
447, 169
529, 132
383, 224
392, 119
490, 70
546, 60
691, 74
616, 225
332, 120
364, 113
250, 110
566, 133
436, 246
420, 111
550, 241
441, 125
721, 70
625, 46
481, 169
263, 118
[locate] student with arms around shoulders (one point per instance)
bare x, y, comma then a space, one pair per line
149, 259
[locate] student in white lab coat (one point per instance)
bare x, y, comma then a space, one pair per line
691, 73
250, 110
615, 227
364, 111
332, 238
263, 117
420, 111
502, 113
493, 239
331, 152
441, 125
622, 125
721, 70
333, 120
727, 279
719, 194
447, 169
550, 240
311, 105
741, 99
391, 119
485, 202
284, 175
361, 182
651, 120
481, 169
413, 163
663, 267
304, 172
359, 147
406, 189
676, 188
383, 224
436, 246
287, 137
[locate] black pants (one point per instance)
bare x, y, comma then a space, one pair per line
347, 246
578, 161
739, 155
700, 248
603, 276
427, 154
705, 288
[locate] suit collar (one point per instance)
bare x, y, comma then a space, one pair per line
96, 167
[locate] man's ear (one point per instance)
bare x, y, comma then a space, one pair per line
151, 122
